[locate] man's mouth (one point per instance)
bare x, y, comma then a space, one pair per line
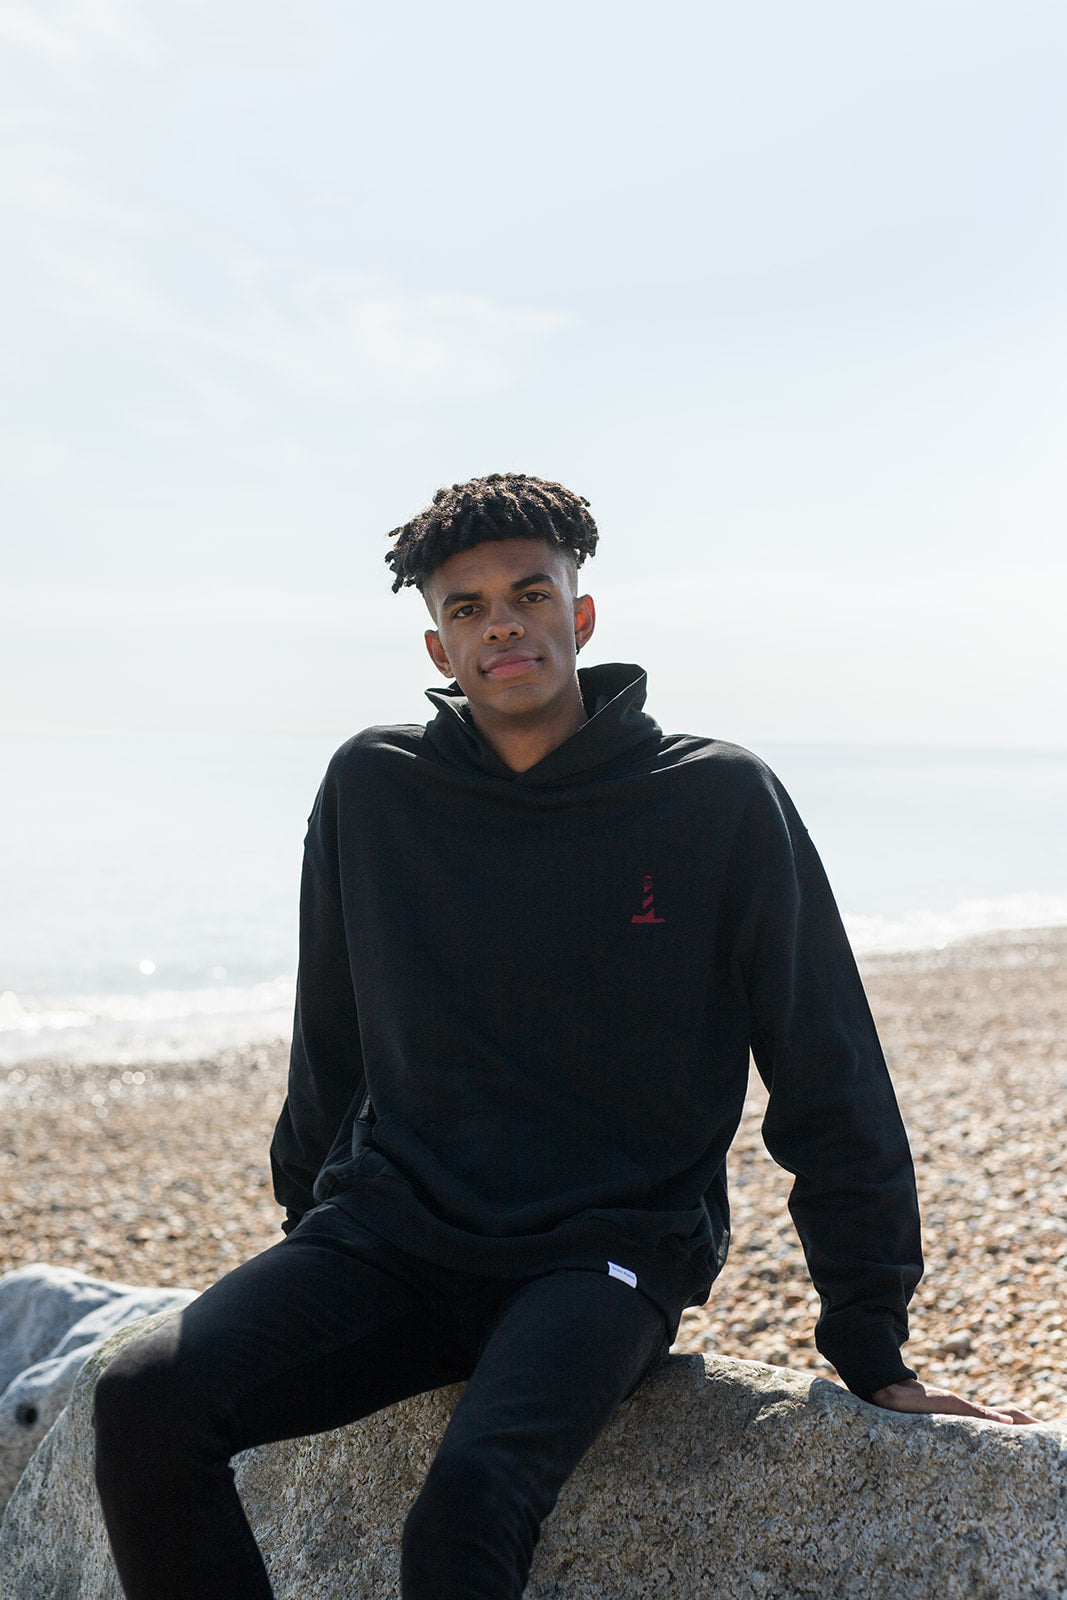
510, 664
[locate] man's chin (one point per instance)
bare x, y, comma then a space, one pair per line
517, 698
513, 700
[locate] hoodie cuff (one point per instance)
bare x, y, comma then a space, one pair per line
868, 1359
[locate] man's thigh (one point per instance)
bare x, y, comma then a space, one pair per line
325, 1327
564, 1352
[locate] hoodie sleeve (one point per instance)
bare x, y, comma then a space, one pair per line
832, 1118
325, 1063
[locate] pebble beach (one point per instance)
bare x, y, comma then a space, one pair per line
158, 1174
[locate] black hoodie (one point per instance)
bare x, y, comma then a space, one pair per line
525, 1005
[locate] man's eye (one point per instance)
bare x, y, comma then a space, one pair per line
461, 611
535, 595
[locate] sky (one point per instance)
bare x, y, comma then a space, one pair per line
779, 288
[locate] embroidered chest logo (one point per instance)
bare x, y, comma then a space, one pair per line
648, 910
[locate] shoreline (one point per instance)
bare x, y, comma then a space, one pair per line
157, 1173
164, 1024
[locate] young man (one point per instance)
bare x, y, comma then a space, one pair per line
538, 938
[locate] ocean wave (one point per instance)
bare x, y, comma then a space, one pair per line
156, 1025
935, 930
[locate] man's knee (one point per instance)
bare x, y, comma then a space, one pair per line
136, 1382
141, 1407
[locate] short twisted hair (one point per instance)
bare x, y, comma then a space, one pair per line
505, 505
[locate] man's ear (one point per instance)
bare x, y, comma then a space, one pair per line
584, 620
437, 653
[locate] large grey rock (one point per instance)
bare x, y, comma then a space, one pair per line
50, 1320
718, 1480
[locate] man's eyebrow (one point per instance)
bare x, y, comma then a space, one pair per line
458, 596
534, 577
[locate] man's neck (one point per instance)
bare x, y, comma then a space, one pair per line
521, 744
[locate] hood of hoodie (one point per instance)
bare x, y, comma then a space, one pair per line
618, 725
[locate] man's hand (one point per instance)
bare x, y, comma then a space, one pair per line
911, 1395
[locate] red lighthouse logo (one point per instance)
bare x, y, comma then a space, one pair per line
648, 912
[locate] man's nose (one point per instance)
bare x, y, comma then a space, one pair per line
502, 625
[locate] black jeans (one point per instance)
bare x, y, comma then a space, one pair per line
324, 1328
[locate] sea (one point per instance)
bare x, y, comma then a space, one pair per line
149, 881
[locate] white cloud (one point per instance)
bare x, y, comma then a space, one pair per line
335, 334
340, 334
29, 455
60, 33
90, 256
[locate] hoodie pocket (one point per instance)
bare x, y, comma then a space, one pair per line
505, 1175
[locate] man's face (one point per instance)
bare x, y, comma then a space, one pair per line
508, 627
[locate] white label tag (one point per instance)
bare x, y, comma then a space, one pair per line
623, 1274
